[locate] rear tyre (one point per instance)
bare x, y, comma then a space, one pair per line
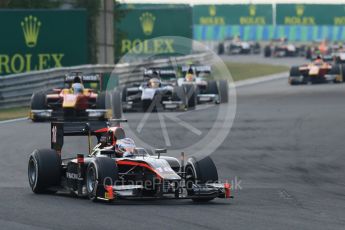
294, 71
267, 51
116, 102
101, 172
44, 170
200, 172
190, 92
223, 91
212, 87
100, 103
38, 102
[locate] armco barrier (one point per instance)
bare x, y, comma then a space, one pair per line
16, 89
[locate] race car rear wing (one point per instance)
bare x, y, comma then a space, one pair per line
84, 77
197, 69
96, 128
166, 75
161, 72
60, 129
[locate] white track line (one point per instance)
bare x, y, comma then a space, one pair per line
14, 120
236, 84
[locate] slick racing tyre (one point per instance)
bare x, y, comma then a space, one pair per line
38, 102
116, 103
212, 87
44, 170
190, 92
101, 172
267, 51
101, 98
200, 172
223, 91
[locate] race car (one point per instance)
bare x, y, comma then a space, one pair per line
73, 101
234, 45
282, 48
318, 71
116, 169
323, 48
202, 88
158, 92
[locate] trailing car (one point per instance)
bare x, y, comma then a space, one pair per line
158, 91
234, 45
317, 71
201, 88
74, 101
282, 48
116, 169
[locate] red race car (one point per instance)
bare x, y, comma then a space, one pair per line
75, 101
318, 71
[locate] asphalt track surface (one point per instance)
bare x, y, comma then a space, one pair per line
286, 146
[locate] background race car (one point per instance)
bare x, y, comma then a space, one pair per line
318, 71
148, 96
104, 175
234, 45
282, 48
200, 86
74, 103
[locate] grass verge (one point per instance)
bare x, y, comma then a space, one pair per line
242, 71
12, 113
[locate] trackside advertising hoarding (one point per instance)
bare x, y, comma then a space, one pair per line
41, 39
143, 22
310, 14
244, 14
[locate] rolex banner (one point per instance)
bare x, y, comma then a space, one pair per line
41, 39
310, 14
244, 14
141, 24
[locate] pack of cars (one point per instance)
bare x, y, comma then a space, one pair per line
162, 90
117, 169
282, 48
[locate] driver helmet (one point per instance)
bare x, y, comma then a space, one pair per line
154, 83
77, 88
125, 147
76, 79
190, 75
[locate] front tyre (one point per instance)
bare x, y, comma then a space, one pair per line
200, 172
101, 172
44, 170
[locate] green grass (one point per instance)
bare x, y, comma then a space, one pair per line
242, 71
6, 114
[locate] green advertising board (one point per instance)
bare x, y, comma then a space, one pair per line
41, 39
238, 14
310, 14
143, 26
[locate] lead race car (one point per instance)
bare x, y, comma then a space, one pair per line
116, 169
202, 87
74, 101
158, 91
317, 71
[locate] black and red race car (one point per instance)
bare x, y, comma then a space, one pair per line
75, 100
103, 174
